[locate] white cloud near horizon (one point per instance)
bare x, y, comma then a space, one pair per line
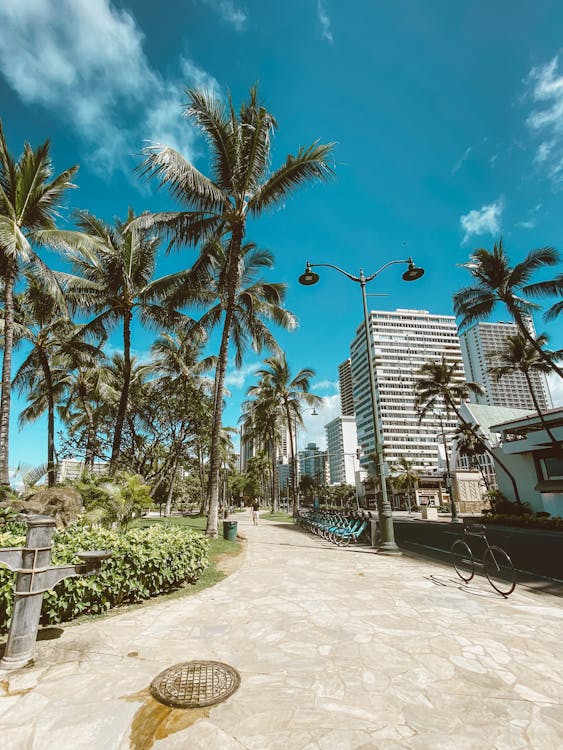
84, 61
556, 389
484, 220
545, 87
324, 20
229, 12
237, 378
314, 425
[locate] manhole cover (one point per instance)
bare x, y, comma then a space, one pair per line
195, 683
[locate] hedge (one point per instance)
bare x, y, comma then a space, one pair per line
144, 563
526, 521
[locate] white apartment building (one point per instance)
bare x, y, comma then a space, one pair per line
479, 344
313, 463
403, 340
342, 443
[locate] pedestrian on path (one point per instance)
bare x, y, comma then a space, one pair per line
255, 512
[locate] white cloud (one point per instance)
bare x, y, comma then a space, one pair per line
484, 220
545, 87
314, 426
237, 378
530, 221
229, 12
84, 60
457, 166
325, 385
324, 20
556, 388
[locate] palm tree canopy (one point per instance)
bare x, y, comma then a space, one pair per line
240, 184
520, 356
496, 281
551, 288
441, 384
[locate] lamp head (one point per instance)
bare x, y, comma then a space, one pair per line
309, 277
314, 413
413, 272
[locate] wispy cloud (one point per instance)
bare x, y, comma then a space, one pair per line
229, 12
324, 385
84, 61
556, 388
531, 219
324, 20
545, 87
237, 378
459, 163
484, 220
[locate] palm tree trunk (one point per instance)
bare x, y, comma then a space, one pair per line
9, 282
526, 333
292, 457
168, 509
222, 359
50, 419
122, 409
553, 439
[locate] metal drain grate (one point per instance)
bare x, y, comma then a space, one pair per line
195, 683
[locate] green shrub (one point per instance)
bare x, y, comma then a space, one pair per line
527, 520
144, 563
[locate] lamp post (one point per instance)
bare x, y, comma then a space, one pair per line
308, 278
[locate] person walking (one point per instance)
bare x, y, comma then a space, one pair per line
255, 512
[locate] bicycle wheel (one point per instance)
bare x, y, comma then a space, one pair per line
500, 570
462, 559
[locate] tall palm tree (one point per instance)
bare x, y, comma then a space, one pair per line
241, 186
56, 349
405, 478
289, 393
29, 199
497, 281
441, 384
243, 318
520, 356
115, 280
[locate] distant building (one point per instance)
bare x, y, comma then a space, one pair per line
479, 344
71, 468
346, 392
402, 341
313, 463
342, 445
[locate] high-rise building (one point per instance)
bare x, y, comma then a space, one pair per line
402, 342
479, 344
313, 463
346, 392
342, 444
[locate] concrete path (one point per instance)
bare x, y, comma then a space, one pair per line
336, 648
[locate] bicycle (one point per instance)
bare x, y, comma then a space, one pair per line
496, 562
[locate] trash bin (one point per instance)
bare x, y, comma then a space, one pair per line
230, 530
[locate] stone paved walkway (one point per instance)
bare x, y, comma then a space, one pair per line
336, 648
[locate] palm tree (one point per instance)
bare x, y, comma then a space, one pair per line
29, 199
551, 288
56, 349
115, 279
520, 356
288, 393
497, 281
241, 186
441, 384
405, 478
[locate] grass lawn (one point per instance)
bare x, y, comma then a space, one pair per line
279, 516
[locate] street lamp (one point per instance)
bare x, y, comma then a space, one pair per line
413, 272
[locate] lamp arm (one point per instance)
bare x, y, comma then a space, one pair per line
390, 263
336, 268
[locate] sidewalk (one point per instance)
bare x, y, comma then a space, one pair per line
337, 649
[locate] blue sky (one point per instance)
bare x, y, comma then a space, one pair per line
447, 118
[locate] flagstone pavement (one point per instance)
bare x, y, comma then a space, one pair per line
336, 648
